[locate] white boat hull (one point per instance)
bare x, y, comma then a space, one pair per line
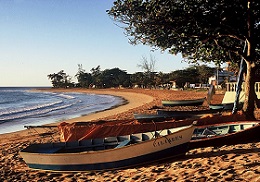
167, 146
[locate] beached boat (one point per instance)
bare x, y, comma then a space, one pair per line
109, 152
140, 116
110, 128
165, 115
226, 106
220, 133
157, 117
193, 102
227, 133
186, 114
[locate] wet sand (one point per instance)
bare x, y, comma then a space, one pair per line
228, 163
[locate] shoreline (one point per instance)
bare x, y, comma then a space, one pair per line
131, 101
227, 163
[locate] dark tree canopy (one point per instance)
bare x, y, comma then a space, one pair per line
60, 80
115, 77
205, 30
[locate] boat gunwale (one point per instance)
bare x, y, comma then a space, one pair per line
182, 128
229, 123
192, 102
189, 100
228, 134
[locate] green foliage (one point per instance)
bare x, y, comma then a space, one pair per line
138, 78
60, 79
84, 79
192, 74
204, 73
114, 78
205, 30
96, 75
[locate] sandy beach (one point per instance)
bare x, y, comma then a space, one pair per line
228, 163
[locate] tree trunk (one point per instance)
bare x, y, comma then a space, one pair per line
250, 95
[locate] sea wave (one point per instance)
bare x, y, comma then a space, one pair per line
26, 109
58, 107
66, 96
32, 112
25, 106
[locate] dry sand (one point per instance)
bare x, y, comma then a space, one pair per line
228, 163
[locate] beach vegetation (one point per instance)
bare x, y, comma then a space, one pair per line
115, 77
192, 74
147, 66
96, 75
200, 30
84, 79
60, 80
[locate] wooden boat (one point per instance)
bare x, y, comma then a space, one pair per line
186, 114
228, 133
157, 117
193, 102
165, 115
110, 152
110, 128
226, 106
220, 133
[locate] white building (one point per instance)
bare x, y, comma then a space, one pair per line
222, 76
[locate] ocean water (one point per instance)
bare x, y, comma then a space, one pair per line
21, 107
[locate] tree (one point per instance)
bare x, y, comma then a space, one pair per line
205, 30
204, 72
161, 78
60, 79
148, 67
115, 78
96, 74
84, 79
138, 78
189, 74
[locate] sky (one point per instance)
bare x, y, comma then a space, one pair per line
41, 37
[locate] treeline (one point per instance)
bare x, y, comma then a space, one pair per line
116, 77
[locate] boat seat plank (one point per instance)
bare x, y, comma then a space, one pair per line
234, 128
147, 136
220, 130
124, 143
245, 126
207, 132
136, 137
163, 132
123, 138
110, 139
